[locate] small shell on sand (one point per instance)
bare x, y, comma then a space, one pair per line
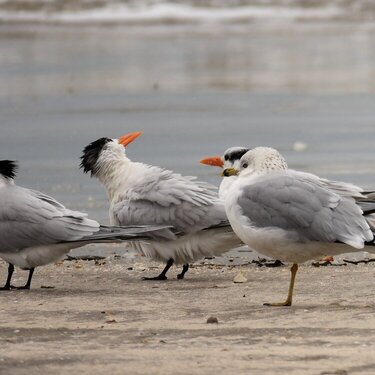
239, 278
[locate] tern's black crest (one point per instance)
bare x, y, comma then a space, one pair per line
235, 153
91, 154
8, 168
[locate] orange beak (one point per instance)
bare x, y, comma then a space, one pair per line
213, 160
128, 138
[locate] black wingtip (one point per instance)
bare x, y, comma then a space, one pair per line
8, 168
90, 155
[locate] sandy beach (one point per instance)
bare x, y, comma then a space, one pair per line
93, 318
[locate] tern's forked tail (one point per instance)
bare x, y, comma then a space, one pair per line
130, 233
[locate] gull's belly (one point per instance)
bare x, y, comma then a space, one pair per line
281, 244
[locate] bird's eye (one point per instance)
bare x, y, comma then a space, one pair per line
245, 165
226, 157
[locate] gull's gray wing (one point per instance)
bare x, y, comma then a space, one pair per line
30, 218
295, 203
341, 188
365, 200
166, 198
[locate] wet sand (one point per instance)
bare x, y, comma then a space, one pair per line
102, 318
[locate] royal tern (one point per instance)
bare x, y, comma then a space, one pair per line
37, 230
294, 216
144, 194
230, 159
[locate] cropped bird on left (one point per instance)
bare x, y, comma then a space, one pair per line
35, 229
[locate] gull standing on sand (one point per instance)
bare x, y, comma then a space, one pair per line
36, 229
294, 216
144, 194
230, 159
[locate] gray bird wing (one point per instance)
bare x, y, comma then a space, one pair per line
30, 218
339, 187
295, 203
131, 233
167, 198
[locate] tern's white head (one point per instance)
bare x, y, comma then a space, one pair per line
8, 169
230, 159
104, 154
261, 160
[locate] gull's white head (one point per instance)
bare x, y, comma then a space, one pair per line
8, 169
102, 155
261, 160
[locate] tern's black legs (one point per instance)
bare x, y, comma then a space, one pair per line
162, 276
7, 285
27, 285
181, 275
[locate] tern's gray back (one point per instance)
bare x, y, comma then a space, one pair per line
171, 199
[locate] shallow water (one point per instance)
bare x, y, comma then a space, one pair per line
194, 91
183, 11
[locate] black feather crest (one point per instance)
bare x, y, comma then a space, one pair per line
8, 168
91, 154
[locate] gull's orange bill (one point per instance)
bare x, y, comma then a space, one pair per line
213, 160
128, 138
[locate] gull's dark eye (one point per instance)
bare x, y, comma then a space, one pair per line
245, 165
226, 157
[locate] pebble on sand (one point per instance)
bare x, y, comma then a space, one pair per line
212, 320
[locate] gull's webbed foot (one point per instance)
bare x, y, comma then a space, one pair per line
278, 304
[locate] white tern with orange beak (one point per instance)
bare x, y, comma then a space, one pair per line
144, 194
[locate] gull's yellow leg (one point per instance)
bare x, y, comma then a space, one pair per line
288, 301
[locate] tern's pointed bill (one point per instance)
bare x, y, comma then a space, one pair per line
215, 161
129, 138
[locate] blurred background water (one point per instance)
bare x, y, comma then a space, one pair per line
195, 76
